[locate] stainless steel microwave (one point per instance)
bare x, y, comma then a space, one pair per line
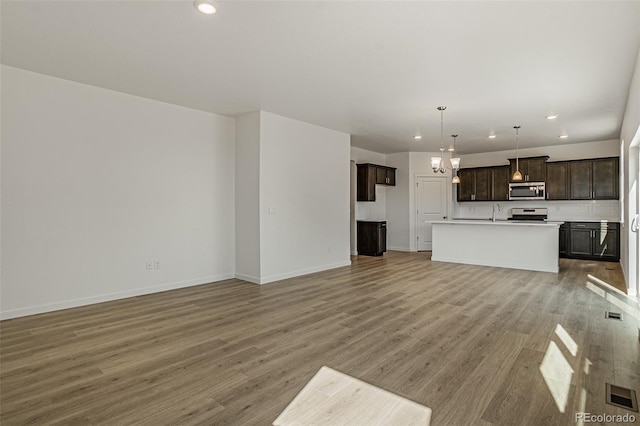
527, 191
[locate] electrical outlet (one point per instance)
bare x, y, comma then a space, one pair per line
148, 265
156, 264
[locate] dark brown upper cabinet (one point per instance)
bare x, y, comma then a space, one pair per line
594, 179
477, 184
606, 174
467, 185
557, 186
385, 175
580, 177
500, 183
370, 175
533, 169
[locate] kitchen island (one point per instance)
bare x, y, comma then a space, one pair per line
526, 245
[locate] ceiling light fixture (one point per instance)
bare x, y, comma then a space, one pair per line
517, 176
563, 136
492, 136
437, 162
205, 6
455, 162
551, 117
417, 137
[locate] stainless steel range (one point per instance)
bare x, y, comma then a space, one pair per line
539, 214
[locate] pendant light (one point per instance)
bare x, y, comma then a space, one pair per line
455, 162
437, 163
517, 176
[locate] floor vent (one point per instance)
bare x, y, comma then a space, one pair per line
613, 315
622, 397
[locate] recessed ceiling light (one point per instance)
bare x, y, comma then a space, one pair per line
417, 137
563, 136
492, 136
551, 117
205, 6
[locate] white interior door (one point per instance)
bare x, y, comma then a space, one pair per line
431, 205
634, 258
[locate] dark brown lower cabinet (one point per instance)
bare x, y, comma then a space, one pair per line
372, 237
563, 237
591, 240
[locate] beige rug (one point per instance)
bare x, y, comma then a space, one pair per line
336, 399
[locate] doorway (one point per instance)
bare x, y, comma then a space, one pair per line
431, 205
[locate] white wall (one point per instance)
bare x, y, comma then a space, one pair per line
247, 197
304, 198
398, 200
95, 183
630, 136
563, 152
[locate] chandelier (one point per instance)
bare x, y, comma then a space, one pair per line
437, 163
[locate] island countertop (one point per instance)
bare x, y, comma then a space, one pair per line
530, 245
499, 222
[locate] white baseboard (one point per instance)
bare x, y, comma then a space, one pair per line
394, 248
292, 274
74, 303
249, 278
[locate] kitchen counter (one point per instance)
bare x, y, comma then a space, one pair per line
500, 222
528, 245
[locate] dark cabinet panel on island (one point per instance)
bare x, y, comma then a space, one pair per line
563, 237
370, 175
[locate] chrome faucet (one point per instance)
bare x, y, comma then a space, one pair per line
493, 216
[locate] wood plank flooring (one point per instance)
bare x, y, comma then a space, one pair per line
478, 345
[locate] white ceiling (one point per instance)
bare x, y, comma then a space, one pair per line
376, 70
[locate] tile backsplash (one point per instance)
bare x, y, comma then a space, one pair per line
588, 210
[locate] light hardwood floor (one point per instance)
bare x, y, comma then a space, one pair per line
478, 345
